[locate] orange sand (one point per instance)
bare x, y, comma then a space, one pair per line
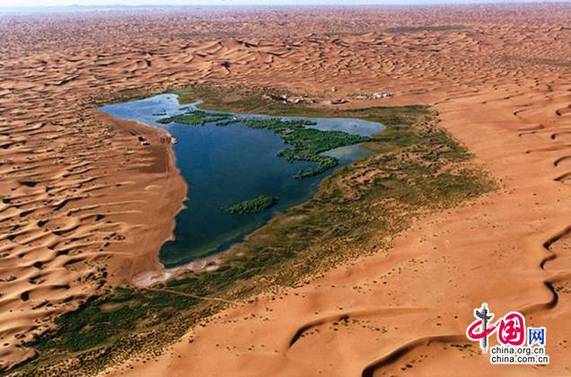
501, 85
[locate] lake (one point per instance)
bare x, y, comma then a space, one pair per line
224, 165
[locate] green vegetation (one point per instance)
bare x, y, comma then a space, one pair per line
307, 143
119, 313
197, 118
414, 168
258, 204
259, 101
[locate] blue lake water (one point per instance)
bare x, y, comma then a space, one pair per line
224, 165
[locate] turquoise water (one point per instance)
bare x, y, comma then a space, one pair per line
224, 165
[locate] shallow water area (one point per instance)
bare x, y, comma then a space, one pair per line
224, 165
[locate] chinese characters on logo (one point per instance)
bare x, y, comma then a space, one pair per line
516, 343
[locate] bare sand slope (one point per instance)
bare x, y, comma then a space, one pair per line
57, 232
87, 201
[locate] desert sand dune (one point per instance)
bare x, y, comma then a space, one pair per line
85, 204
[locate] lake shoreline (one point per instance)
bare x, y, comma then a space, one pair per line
170, 202
325, 138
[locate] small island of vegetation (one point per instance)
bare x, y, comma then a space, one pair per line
197, 118
256, 205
